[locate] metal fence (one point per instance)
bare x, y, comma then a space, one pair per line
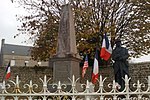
12, 90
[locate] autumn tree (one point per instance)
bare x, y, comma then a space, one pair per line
138, 29
118, 18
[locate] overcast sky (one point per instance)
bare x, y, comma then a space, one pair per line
8, 23
8, 27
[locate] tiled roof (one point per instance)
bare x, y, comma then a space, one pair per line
18, 49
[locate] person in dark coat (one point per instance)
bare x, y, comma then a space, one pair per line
120, 56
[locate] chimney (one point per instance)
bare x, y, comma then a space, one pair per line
1, 52
3, 42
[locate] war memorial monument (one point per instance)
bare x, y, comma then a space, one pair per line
66, 61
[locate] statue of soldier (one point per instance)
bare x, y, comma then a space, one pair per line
120, 56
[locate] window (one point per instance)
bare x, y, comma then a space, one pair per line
12, 63
26, 63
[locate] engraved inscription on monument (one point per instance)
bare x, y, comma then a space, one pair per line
66, 44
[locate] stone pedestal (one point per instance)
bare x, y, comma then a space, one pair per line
64, 68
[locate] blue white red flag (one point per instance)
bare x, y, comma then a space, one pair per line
106, 49
8, 71
85, 66
95, 69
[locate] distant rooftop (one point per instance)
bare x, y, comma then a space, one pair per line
16, 49
9, 49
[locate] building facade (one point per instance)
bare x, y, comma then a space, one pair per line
18, 55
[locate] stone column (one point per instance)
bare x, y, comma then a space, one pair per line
66, 36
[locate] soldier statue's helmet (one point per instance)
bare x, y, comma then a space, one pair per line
117, 41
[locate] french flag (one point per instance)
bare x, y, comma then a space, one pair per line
8, 71
106, 49
95, 69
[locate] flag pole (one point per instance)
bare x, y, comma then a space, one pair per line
4, 74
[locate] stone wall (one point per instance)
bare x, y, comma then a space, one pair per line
139, 71
28, 73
